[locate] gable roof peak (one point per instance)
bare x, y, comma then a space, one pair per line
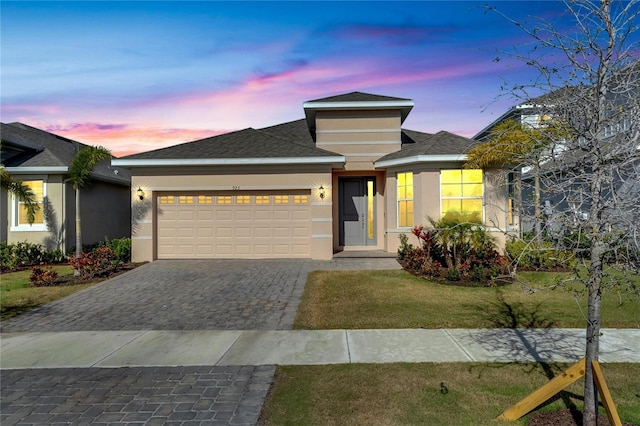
355, 101
358, 97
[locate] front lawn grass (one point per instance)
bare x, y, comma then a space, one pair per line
17, 296
397, 299
410, 394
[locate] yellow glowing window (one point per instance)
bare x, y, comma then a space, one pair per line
223, 199
462, 192
405, 199
37, 187
281, 199
205, 199
262, 199
186, 199
370, 210
243, 199
166, 199
300, 199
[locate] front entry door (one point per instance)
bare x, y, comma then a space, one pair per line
356, 211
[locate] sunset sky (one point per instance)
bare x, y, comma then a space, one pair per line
135, 76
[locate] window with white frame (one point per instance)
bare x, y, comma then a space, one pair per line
21, 216
405, 199
462, 192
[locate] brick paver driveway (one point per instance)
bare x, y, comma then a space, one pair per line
181, 295
163, 295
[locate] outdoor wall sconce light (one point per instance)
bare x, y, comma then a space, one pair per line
140, 193
321, 192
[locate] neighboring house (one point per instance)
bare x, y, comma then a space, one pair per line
563, 170
41, 160
346, 177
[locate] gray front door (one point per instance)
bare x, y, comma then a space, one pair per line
356, 211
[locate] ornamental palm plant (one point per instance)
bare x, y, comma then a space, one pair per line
80, 171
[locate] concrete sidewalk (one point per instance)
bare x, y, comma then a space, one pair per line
109, 349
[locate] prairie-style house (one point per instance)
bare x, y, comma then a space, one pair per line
347, 176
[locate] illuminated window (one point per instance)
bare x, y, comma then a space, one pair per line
186, 199
405, 199
243, 199
262, 199
370, 210
223, 199
281, 199
462, 193
300, 199
166, 199
22, 218
205, 199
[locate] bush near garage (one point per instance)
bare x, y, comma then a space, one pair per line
120, 246
98, 263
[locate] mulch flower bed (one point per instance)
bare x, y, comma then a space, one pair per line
564, 418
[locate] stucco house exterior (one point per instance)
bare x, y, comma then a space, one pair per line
347, 176
41, 160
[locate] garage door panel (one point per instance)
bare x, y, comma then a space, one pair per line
281, 232
262, 215
205, 232
300, 249
243, 215
223, 215
224, 250
249, 226
281, 215
204, 215
186, 214
243, 249
262, 232
242, 232
300, 232
281, 249
262, 249
224, 232
204, 249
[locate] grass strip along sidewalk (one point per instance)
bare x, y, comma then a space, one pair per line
427, 394
396, 299
432, 393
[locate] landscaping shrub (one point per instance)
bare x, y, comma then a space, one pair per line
43, 277
405, 247
23, 254
120, 246
455, 248
99, 262
527, 255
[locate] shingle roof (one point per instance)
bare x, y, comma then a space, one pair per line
442, 143
284, 141
297, 131
47, 150
41, 149
359, 97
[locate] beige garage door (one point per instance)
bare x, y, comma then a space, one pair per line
239, 225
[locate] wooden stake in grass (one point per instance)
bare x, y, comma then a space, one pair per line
559, 383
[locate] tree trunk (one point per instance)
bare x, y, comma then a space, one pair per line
537, 212
76, 272
590, 411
